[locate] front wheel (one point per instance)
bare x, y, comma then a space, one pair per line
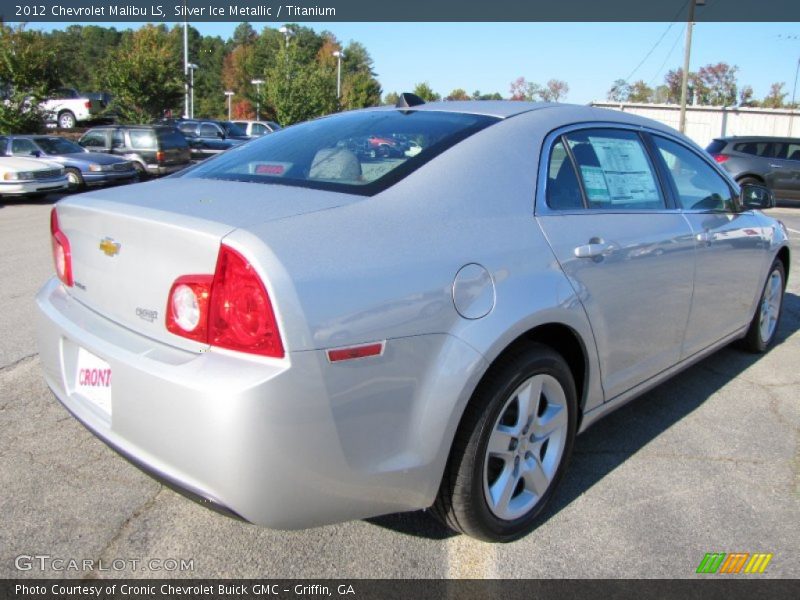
511, 448
764, 326
74, 179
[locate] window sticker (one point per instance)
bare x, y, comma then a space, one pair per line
626, 170
595, 182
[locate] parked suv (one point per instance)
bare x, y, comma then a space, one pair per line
208, 137
770, 161
153, 149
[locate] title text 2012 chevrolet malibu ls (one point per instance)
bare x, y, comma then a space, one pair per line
298, 332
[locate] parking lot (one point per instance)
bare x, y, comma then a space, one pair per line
707, 462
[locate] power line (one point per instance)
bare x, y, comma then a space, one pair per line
669, 55
672, 22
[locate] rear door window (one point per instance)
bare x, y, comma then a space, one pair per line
209, 130
563, 189
23, 147
143, 139
615, 170
698, 185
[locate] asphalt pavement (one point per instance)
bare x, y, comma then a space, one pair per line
707, 462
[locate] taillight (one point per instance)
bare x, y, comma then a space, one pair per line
160, 156
720, 158
62, 256
230, 310
187, 313
88, 104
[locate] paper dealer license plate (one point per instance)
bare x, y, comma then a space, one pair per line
93, 380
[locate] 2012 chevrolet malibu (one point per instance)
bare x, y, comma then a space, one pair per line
300, 332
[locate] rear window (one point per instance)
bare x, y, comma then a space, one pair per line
755, 148
358, 153
171, 139
716, 147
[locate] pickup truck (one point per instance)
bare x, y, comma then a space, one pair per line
68, 107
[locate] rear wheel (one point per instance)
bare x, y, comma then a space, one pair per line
511, 448
66, 120
141, 172
74, 179
764, 326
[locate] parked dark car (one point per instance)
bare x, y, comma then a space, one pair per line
770, 161
208, 137
83, 168
153, 149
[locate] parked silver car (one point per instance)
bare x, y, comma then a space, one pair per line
297, 334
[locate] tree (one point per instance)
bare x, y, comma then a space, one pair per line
520, 89
775, 97
476, 95
640, 92
716, 84
391, 98
619, 92
555, 91
145, 76
28, 73
458, 94
244, 35
746, 96
299, 90
424, 91
360, 88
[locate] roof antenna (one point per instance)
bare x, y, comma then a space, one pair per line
407, 100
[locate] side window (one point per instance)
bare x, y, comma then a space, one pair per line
563, 189
23, 147
699, 187
209, 130
259, 129
188, 128
793, 152
94, 139
615, 170
143, 139
3, 145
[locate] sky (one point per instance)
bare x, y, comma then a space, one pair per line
588, 56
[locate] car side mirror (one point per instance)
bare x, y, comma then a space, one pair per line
756, 197
36, 153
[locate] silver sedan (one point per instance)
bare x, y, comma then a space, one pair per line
303, 331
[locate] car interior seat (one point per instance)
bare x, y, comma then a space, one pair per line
337, 164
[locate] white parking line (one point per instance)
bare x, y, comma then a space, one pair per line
792, 230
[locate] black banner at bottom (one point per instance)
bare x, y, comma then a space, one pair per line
379, 589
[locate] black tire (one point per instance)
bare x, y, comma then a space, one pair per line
66, 120
462, 502
754, 340
75, 179
141, 172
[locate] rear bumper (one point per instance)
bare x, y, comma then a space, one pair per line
288, 443
22, 188
160, 170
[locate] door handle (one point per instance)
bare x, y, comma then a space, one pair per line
776, 166
595, 248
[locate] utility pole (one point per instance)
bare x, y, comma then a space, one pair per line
185, 63
686, 59
794, 92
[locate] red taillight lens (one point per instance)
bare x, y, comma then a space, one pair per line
62, 256
229, 310
187, 312
88, 104
241, 316
160, 156
720, 158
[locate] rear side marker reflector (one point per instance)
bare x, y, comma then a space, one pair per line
354, 352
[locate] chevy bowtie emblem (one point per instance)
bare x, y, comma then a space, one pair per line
110, 247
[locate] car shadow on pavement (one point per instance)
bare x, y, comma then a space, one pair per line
620, 435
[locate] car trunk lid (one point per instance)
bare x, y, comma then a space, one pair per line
129, 245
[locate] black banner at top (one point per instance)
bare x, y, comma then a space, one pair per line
287, 11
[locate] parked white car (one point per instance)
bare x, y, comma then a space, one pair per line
258, 128
68, 107
30, 176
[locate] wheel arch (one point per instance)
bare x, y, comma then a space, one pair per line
784, 255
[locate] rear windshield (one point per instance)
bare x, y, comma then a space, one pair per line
171, 139
716, 147
358, 153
